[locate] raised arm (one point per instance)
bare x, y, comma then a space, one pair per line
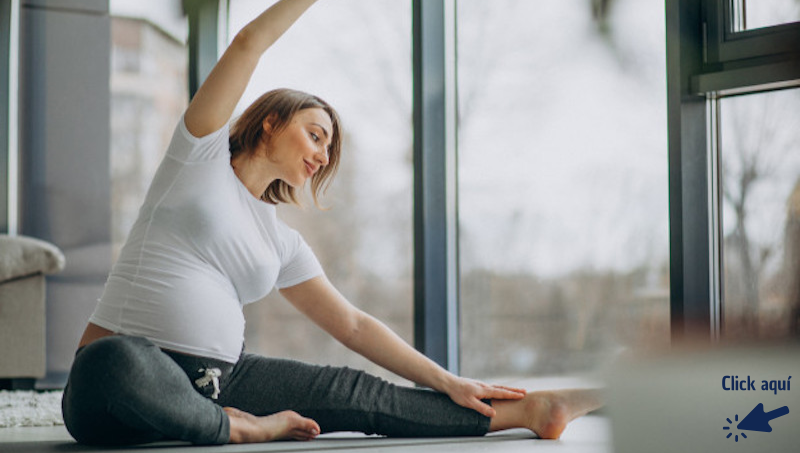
323, 304
213, 104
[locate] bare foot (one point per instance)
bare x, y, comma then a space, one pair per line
546, 413
247, 428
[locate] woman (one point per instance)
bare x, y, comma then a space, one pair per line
161, 357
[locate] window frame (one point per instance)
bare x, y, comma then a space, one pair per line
436, 284
9, 117
727, 45
741, 62
207, 25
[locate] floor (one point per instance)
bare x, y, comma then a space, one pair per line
590, 434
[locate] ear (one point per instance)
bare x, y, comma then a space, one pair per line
269, 124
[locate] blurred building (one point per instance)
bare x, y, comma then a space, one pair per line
149, 92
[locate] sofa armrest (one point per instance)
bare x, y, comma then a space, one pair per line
22, 256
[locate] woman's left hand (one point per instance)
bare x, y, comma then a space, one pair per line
469, 393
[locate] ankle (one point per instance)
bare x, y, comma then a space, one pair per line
238, 434
240, 427
509, 414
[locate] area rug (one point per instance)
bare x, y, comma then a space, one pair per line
30, 408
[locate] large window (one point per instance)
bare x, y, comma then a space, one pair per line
148, 95
563, 223
733, 167
357, 56
760, 175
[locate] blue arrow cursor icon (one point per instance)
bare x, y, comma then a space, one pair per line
757, 420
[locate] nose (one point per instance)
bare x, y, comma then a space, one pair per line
322, 157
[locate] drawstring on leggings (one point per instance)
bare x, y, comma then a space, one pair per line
211, 376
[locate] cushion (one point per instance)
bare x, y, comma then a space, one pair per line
22, 256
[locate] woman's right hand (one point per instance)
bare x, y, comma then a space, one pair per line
469, 393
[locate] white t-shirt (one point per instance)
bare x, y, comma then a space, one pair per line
201, 248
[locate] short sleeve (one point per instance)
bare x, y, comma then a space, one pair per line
186, 147
298, 262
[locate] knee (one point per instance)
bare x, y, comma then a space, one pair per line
112, 358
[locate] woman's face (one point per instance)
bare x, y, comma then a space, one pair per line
301, 148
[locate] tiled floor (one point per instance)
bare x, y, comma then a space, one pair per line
590, 434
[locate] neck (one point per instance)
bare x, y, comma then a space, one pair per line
253, 171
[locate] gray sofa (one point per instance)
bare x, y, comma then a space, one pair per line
24, 262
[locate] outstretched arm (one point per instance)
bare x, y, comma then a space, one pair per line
213, 104
323, 304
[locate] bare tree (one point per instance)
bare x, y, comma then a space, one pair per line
756, 144
737, 189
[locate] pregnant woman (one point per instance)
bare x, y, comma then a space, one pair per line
162, 356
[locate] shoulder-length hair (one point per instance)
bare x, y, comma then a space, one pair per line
280, 105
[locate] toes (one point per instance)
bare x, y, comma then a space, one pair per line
308, 427
302, 435
300, 428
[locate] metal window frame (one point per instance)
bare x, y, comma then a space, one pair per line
690, 308
435, 182
706, 61
726, 44
6, 112
742, 62
9, 148
207, 22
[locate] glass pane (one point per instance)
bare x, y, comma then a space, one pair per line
149, 93
563, 184
767, 13
364, 241
760, 172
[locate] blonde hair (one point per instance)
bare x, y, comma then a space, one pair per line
280, 105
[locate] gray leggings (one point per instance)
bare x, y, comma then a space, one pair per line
125, 390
